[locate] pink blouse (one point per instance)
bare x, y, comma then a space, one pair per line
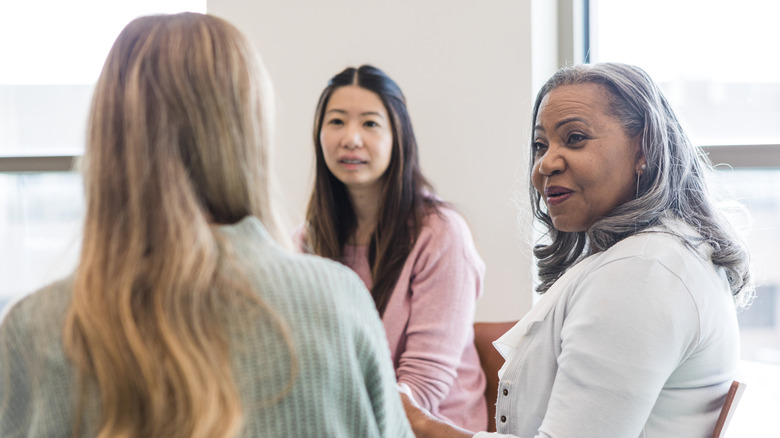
429, 319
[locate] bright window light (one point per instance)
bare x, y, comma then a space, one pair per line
66, 42
715, 59
52, 53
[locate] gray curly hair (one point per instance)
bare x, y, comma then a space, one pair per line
675, 182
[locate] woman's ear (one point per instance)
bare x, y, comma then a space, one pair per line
641, 161
641, 165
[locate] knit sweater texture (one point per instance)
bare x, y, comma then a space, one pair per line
345, 386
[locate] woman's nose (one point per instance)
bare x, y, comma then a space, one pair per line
551, 162
352, 138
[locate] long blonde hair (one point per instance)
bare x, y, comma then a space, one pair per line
177, 143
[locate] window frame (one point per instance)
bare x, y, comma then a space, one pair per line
38, 163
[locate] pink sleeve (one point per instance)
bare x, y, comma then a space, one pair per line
445, 282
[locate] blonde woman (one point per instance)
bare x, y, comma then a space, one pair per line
185, 318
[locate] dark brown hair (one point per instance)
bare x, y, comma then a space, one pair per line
404, 200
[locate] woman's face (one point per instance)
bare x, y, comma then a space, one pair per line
356, 138
584, 163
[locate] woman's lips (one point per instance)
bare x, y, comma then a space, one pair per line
555, 195
351, 163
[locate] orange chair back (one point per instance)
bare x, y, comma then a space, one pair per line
484, 335
729, 406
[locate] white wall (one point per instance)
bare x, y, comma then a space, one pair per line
466, 70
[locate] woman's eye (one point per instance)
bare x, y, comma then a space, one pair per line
538, 147
335, 122
576, 138
370, 124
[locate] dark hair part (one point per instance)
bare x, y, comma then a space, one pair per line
675, 182
404, 200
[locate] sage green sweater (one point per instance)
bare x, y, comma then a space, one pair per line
345, 386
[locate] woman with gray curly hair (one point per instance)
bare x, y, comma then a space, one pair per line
641, 274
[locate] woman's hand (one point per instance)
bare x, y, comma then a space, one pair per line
418, 417
425, 425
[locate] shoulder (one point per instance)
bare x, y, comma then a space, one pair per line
324, 303
443, 223
666, 247
306, 284
650, 276
443, 216
445, 238
446, 232
39, 315
327, 299
300, 283
327, 272
320, 277
45, 302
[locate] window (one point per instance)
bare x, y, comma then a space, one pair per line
51, 61
39, 229
714, 59
715, 62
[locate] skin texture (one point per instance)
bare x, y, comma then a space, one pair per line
356, 126
582, 154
